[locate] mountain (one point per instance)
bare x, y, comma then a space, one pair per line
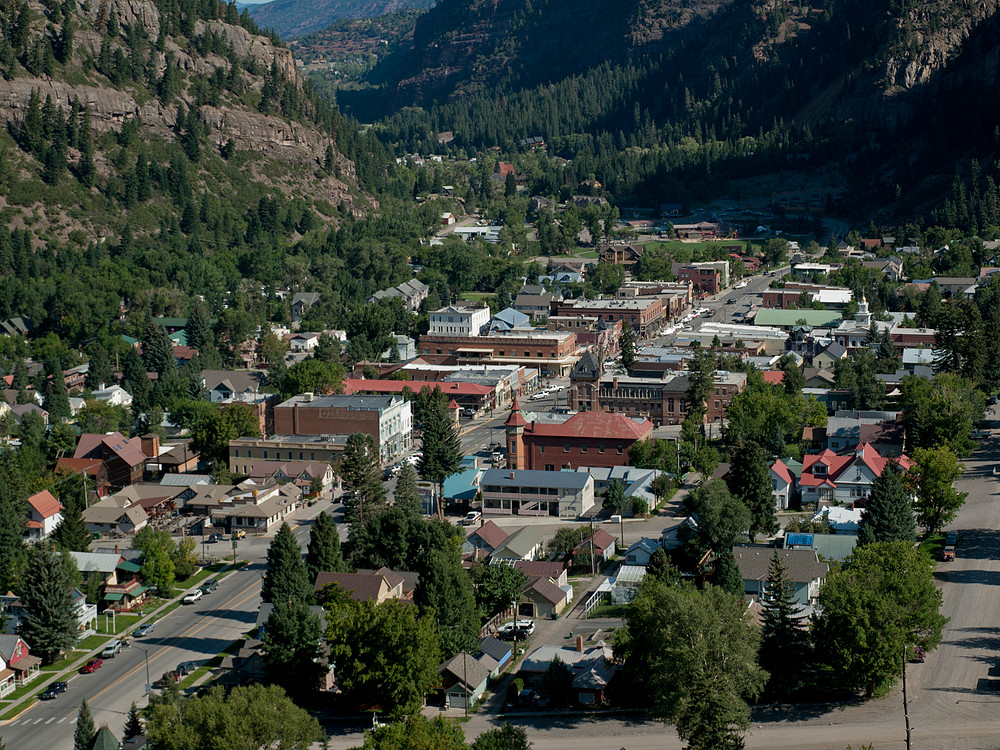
660, 93
294, 18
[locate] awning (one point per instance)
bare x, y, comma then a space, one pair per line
129, 566
114, 597
140, 590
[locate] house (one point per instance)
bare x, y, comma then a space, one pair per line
828, 546
535, 302
19, 411
114, 395
592, 668
555, 571
829, 478
827, 359
641, 552
16, 658
406, 580
246, 667
302, 302
542, 597
497, 650
123, 458
600, 544
306, 475
562, 494
108, 516
363, 587
7, 681
524, 544
487, 538
233, 386
509, 319
44, 514
464, 678
805, 571
782, 485
413, 292
403, 349
841, 520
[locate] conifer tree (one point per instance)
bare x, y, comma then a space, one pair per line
359, 470
13, 552
71, 533
85, 729
628, 347
783, 640
286, 578
888, 517
198, 328
323, 553
49, 621
407, 497
751, 482
99, 368
33, 132
133, 724
727, 574
446, 590
442, 449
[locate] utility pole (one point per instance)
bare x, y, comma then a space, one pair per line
593, 572
906, 705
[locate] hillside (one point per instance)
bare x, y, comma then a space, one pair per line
294, 18
745, 85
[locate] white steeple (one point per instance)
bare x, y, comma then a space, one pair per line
863, 318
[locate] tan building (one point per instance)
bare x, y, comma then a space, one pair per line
551, 352
245, 452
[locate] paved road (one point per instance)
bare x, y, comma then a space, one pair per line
190, 633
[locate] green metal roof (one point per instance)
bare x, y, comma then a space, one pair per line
787, 318
140, 590
129, 566
113, 597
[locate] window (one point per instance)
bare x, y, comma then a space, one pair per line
584, 447
600, 448
236, 452
550, 467
542, 449
265, 455
289, 455
301, 455
565, 447
619, 450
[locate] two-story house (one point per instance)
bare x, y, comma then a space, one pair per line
846, 479
44, 514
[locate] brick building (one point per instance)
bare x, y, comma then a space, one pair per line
386, 418
644, 314
663, 400
551, 352
245, 452
585, 439
123, 459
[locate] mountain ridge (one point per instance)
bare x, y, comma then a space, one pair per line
295, 18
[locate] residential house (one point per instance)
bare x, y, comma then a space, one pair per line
555, 571
412, 292
103, 565
94, 471
783, 483
16, 657
44, 514
524, 544
497, 650
600, 545
827, 359
302, 302
123, 458
841, 520
306, 475
805, 571
233, 386
129, 592
592, 668
621, 255
113, 394
403, 349
19, 411
828, 546
509, 319
535, 302
108, 516
487, 538
406, 580
541, 597
363, 587
641, 552
560, 494
8, 682
464, 678
246, 666
830, 478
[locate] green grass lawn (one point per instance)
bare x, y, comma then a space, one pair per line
64, 663
478, 296
118, 624
92, 642
933, 545
211, 664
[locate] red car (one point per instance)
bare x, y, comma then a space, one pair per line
92, 666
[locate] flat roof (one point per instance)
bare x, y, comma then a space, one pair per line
354, 402
569, 480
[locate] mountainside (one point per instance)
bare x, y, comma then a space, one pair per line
829, 81
293, 18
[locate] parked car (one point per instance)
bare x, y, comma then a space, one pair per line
167, 678
471, 517
980, 434
144, 629
948, 554
186, 668
469, 411
239, 534
213, 538
520, 629
53, 690
92, 666
209, 586
951, 538
192, 596
111, 650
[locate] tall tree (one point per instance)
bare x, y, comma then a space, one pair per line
407, 497
198, 328
497, 587
693, 657
888, 516
133, 724
13, 551
701, 380
71, 533
727, 574
932, 477
85, 730
157, 349
883, 601
49, 620
159, 569
323, 552
628, 347
751, 482
359, 470
721, 517
794, 380
782, 637
286, 579
445, 591
292, 636
99, 368
442, 450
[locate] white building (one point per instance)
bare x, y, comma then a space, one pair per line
459, 321
114, 395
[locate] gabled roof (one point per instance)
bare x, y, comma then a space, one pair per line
779, 468
491, 534
837, 464
307, 298
602, 541
495, 649
96, 562
549, 591
586, 368
647, 545
836, 351
755, 562
291, 469
774, 377
362, 587
91, 445
468, 670
521, 542
543, 568
44, 504
597, 425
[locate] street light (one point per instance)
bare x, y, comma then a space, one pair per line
145, 652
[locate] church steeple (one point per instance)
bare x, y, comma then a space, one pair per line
863, 317
515, 425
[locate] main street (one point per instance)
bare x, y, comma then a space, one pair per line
194, 632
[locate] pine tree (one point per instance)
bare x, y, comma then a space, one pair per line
49, 621
33, 132
133, 724
888, 516
359, 470
751, 482
628, 347
442, 449
157, 350
783, 640
323, 553
407, 497
198, 328
727, 574
99, 368
56, 401
446, 589
286, 578
71, 533
13, 552
661, 569
85, 729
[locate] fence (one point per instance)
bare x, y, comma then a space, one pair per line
593, 600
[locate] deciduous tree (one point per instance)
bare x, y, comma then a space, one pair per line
504, 737
418, 733
721, 517
497, 587
932, 478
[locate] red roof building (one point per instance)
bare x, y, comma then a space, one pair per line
773, 377
846, 478
479, 397
123, 458
44, 514
588, 438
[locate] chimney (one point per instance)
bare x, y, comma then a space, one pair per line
511, 474
307, 396
116, 549
579, 643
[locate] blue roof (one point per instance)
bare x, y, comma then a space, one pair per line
798, 540
461, 486
569, 480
